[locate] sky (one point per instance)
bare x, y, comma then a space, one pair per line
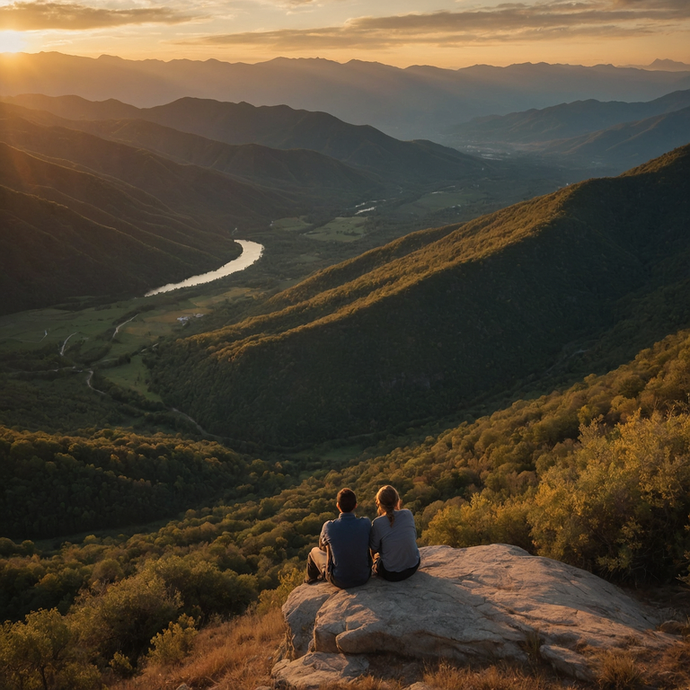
446, 33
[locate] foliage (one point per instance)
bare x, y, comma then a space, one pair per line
290, 578
621, 502
125, 617
203, 587
39, 652
173, 644
65, 484
481, 521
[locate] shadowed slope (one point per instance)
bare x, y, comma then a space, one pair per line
185, 188
566, 120
282, 127
628, 144
67, 232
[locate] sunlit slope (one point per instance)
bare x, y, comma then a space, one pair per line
67, 232
282, 127
406, 333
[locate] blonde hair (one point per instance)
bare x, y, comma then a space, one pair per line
387, 500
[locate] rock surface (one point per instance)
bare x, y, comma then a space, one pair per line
485, 602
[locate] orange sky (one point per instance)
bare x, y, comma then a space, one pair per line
447, 33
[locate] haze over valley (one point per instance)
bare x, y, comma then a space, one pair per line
466, 280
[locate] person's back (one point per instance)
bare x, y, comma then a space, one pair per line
342, 556
394, 538
348, 539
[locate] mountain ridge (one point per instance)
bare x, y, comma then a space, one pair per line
566, 120
282, 127
411, 103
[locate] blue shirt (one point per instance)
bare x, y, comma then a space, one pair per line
348, 539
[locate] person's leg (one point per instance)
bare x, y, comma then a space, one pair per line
317, 562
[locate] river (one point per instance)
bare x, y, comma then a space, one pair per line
251, 252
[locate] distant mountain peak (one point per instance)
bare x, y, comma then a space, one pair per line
669, 65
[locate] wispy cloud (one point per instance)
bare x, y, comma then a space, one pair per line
27, 16
506, 22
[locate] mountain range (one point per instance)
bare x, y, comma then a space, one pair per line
277, 127
625, 145
418, 328
604, 137
565, 120
416, 102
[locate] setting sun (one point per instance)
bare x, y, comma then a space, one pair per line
11, 41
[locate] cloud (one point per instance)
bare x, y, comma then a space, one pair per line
31, 16
504, 23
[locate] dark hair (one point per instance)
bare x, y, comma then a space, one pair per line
387, 500
346, 500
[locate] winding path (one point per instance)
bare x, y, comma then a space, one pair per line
124, 323
62, 349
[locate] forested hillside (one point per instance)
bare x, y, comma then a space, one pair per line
428, 325
307, 175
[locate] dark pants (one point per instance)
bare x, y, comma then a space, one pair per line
391, 575
317, 565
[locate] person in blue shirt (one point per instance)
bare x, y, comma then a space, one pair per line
342, 556
393, 539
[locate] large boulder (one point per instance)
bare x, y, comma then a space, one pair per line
481, 603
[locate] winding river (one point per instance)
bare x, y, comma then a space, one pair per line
251, 252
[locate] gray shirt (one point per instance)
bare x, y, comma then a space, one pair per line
397, 545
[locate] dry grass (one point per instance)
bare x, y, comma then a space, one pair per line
228, 656
447, 676
619, 670
668, 669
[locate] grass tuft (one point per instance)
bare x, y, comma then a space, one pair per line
619, 671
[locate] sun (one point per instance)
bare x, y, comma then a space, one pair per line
11, 41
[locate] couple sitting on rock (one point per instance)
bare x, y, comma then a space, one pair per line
348, 544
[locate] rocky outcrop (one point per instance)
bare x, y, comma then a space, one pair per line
482, 603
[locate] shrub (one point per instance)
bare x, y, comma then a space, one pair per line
173, 644
126, 616
482, 521
619, 504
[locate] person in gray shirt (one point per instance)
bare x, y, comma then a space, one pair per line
393, 538
342, 556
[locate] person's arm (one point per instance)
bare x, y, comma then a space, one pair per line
323, 538
374, 540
